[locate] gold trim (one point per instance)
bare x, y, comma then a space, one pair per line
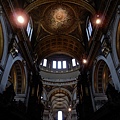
81, 3
118, 41
14, 74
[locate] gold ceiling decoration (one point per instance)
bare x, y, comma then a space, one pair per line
59, 45
60, 18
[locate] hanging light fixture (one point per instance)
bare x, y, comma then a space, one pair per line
20, 18
69, 109
98, 20
84, 59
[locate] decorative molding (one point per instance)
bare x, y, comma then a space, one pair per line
106, 47
118, 10
59, 84
14, 49
106, 51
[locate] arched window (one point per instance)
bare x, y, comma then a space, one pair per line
89, 29
59, 63
29, 29
59, 115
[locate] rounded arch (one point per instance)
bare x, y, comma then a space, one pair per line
18, 77
116, 40
76, 2
57, 89
112, 70
3, 40
59, 99
10, 63
101, 75
59, 102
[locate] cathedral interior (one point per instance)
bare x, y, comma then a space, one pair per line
60, 59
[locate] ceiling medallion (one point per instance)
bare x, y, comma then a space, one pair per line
58, 18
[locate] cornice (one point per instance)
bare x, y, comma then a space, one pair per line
50, 83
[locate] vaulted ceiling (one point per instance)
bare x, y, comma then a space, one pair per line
59, 27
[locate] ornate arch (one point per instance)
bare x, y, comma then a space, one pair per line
3, 40
18, 77
58, 89
10, 63
81, 3
101, 75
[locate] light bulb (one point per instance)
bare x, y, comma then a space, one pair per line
20, 19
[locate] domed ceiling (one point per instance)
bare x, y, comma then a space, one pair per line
60, 18
60, 26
